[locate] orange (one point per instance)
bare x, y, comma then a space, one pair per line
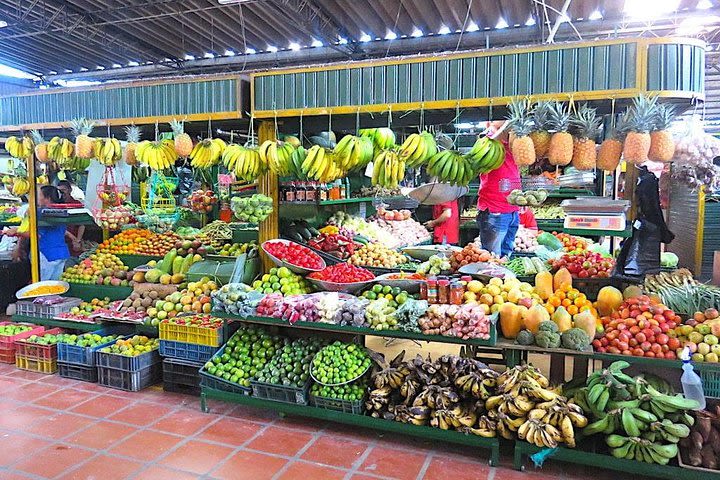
550, 308
560, 294
566, 303
572, 309
554, 301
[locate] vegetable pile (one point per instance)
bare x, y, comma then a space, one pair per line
337, 245
294, 254
526, 240
472, 253
343, 273
524, 266
462, 321
585, 265
377, 255
702, 447
681, 292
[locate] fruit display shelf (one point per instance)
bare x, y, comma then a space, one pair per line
561, 193
52, 322
327, 327
88, 292
430, 433
134, 261
604, 461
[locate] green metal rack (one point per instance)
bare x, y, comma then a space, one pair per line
140, 329
364, 421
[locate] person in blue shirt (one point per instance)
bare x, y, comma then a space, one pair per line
51, 240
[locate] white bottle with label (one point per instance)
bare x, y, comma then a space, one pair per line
691, 382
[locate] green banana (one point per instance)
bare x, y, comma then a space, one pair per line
628, 423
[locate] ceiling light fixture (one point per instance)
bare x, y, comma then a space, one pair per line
342, 41
472, 27
3, 24
272, 49
209, 55
365, 37
99, 67
416, 33
250, 51
502, 23
294, 46
52, 72
316, 43
132, 63
116, 65
704, 5
530, 21
596, 15
390, 35
443, 30
83, 69
189, 57
229, 53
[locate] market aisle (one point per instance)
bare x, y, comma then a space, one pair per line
51, 427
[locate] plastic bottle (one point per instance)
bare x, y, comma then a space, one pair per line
691, 382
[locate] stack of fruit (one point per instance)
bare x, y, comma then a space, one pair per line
88, 340
434, 266
137, 241
492, 296
571, 243
548, 212
282, 280
640, 416
352, 392
405, 232
191, 247
377, 255
99, 269
244, 355
585, 265
290, 366
462, 321
472, 253
170, 270
133, 346
137, 304
342, 273
294, 254
700, 334
640, 327
48, 338
86, 309
236, 249
236, 298
252, 209
340, 363
202, 201
335, 244
196, 298
116, 217
11, 329
393, 215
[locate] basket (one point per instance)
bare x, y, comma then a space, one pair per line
34, 351
130, 364
77, 372
7, 342
356, 407
190, 334
281, 393
186, 351
36, 364
31, 309
181, 376
216, 383
85, 356
130, 381
710, 382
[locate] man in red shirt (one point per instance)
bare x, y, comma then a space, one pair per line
498, 220
445, 223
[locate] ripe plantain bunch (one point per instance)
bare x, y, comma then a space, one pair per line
60, 149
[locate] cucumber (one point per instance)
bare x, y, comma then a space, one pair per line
305, 233
295, 236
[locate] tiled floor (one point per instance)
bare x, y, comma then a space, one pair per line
56, 428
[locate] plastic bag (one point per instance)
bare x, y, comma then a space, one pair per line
185, 180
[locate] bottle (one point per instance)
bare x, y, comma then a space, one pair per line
225, 214
290, 192
423, 291
432, 290
456, 292
334, 191
691, 382
343, 188
323, 192
310, 192
300, 192
443, 289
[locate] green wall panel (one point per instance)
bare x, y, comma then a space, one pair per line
676, 67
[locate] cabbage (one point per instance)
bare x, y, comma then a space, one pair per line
668, 259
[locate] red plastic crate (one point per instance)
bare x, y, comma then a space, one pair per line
33, 351
7, 342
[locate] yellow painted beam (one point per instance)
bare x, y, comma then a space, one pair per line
700, 232
268, 185
32, 216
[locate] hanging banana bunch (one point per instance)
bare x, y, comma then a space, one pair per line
353, 153
19, 148
246, 162
20, 186
207, 153
60, 149
157, 155
74, 163
297, 158
107, 151
319, 164
277, 157
451, 167
418, 149
388, 169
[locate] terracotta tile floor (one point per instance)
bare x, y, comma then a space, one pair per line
57, 428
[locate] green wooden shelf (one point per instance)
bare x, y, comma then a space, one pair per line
89, 291
329, 327
599, 460
363, 421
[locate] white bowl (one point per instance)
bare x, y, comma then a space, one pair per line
22, 293
294, 268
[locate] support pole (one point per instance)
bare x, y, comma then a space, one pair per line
558, 21
32, 215
268, 185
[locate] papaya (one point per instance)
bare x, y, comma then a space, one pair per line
562, 277
534, 316
177, 265
153, 275
608, 299
586, 322
563, 320
632, 291
187, 263
166, 265
510, 320
544, 284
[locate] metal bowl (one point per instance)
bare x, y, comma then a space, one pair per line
350, 287
22, 293
424, 252
436, 193
409, 285
282, 263
479, 271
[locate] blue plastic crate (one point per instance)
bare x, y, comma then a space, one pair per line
86, 355
187, 351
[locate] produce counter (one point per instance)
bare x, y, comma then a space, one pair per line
140, 329
88, 292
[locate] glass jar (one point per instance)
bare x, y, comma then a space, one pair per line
432, 290
423, 290
300, 192
456, 293
443, 290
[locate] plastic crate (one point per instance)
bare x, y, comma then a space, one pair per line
128, 364
78, 372
86, 355
31, 309
36, 365
7, 342
7, 355
186, 351
217, 383
130, 381
281, 393
590, 286
211, 337
356, 407
34, 351
710, 382
181, 376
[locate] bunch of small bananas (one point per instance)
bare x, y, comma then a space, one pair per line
486, 155
552, 422
319, 164
157, 155
382, 138
393, 375
207, 152
74, 163
19, 148
60, 149
451, 167
388, 169
277, 157
353, 153
457, 417
297, 158
107, 151
20, 186
641, 449
247, 163
478, 384
418, 149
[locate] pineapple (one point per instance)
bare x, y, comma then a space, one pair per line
41, 147
640, 122
82, 129
611, 149
560, 150
522, 147
133, 137
662, 145
183, 142
586, 126
540, 135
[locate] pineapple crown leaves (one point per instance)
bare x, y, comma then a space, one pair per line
585, 124
644, 114
37, 137
541, 114
665, 114
132, 134
81, 126
178, 127
620, 130
558, 117
519, 117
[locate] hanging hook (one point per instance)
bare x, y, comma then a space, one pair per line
389, 116
301, 128
357, 121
